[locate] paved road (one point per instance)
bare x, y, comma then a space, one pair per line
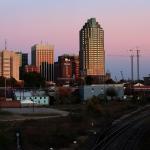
125, 134
35, 111
30, 113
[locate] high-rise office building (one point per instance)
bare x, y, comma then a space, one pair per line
23, 60
76, 67
31, 68
92, 54
9, 64
56, 71
42, 55
68, 68
20, 58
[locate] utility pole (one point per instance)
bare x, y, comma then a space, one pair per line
138, 66
5, 89
132, 56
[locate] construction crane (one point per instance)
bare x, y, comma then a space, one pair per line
116, 79
122, 75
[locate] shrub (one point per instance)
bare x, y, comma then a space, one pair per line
93, 105
65, 96
111, 92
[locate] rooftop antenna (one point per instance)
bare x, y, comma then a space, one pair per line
5, 44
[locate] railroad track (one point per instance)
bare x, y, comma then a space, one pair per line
123, 135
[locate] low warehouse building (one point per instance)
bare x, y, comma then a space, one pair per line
101, 90
38, 98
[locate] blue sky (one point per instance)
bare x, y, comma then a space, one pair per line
126, 24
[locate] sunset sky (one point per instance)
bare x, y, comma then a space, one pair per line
126, 24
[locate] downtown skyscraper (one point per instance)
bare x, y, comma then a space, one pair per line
9, 64
67, 69
42, 56
92, 53
23, 61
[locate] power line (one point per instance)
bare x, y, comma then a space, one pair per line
109, 55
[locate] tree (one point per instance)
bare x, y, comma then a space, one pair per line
111, 92
94, 106
2, 81
122, 81
110, 81
63, 95
88, 80
33, 79
10, 82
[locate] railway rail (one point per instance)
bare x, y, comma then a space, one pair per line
125, 133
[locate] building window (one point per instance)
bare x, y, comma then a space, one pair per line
92, 90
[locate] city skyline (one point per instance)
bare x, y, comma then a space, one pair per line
24, 23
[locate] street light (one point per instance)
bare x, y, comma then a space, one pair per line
92, 124
105, 98
74, 142
18, 139
92, 90
33, 104
94, 132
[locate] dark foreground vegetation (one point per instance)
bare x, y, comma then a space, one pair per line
62, 132
145, 142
